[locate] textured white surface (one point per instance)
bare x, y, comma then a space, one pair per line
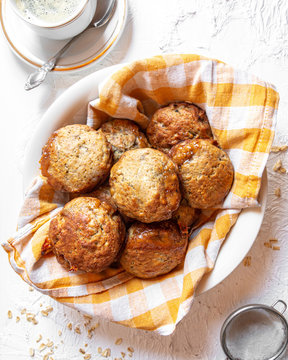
249, 34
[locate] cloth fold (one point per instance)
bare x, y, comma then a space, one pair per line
242, 113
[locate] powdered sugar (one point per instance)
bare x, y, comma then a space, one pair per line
255, 335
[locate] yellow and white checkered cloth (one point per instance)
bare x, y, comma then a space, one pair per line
242, 113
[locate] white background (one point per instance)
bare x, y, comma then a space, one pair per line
248, 34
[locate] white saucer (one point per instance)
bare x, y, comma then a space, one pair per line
90, 48
71, 107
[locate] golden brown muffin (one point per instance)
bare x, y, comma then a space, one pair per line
123, 135
153, 249
76, 158
206, 172
102, 193
145, 186
86, 235
185, 215
176, 122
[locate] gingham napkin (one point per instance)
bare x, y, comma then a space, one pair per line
242, 114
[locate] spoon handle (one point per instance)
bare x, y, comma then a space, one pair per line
37, 77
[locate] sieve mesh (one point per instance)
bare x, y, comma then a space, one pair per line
254, 332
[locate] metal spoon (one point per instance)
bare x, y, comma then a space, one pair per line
37, 77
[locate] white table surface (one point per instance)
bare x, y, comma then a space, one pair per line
249, 34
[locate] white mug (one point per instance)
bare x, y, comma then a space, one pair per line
67, 28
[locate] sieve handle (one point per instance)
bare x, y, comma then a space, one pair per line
283, 303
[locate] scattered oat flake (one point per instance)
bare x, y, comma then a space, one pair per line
42, 347
247, 261
17, 319
23, 311
88, 317
77, 330
94, 327
39, 338
99, 350
279, 148
69, 326
9, 314
82, 351
277, 192
87, 357
30, 317
278, 167
106, 353
47, 311
31, 288
59, 332
90, 330
130, 354
130, 348
119, 341
46, 357
271, 244
86, 345
31, 352
49, 343
123, 354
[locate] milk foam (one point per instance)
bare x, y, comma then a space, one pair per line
49, 11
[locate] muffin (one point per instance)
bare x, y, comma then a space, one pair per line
206, 172
153, 249
76, 158
86, 235
102, 193
123, 135
185, 215
145, 186
177, 122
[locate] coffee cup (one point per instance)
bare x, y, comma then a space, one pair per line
55, 19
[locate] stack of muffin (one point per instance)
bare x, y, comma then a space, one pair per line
133, 196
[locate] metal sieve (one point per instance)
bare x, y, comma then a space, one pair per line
255, 332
